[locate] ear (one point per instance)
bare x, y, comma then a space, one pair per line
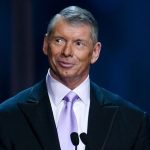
45, 45
96, 52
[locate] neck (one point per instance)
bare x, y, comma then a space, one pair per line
70, 82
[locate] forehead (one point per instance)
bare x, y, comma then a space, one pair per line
62, 26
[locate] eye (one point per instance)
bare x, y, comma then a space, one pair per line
80, 43
59, 41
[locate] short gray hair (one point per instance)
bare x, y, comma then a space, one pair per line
76, 15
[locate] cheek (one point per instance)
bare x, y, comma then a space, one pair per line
84, 58
52, 53
87, 55
51, 57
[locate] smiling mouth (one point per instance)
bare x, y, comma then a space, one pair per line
65, 64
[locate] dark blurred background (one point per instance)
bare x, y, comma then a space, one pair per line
123, 68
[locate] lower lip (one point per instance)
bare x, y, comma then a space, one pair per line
65, 65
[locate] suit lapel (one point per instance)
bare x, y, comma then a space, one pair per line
38, 113
101, 119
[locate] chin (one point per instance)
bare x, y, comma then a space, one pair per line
68, 75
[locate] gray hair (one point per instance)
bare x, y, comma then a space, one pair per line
76, 15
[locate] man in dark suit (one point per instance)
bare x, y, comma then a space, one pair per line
30, 120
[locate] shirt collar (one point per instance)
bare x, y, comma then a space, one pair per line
83, 90
53, 86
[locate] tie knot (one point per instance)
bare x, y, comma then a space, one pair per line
71, 97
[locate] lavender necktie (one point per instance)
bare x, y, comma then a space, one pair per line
67, 122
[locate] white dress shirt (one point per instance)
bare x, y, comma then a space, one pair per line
57, 91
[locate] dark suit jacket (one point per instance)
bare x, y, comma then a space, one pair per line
27, 123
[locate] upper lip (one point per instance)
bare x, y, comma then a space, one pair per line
65, 60
65, 63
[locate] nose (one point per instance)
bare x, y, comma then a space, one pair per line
67, 50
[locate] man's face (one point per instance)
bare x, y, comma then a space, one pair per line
70, 51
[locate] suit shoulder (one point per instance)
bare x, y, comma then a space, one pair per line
108, 98
11, 102
21, 97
